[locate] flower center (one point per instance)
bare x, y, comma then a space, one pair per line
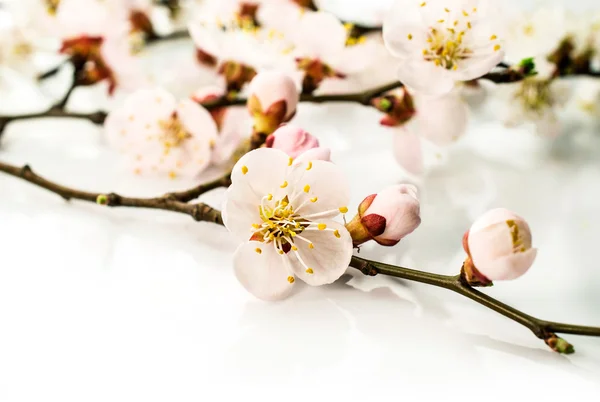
445, 41
280, 223
535, 95
173, 133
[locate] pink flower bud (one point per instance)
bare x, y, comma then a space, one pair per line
387, 217
499, 247
294, 141
272, 91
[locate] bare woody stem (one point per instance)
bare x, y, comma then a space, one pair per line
363, 98
174, 202
545, 330
179, 202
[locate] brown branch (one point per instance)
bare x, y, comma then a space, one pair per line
173, 202
545, 330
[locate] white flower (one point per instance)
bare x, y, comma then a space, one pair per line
159, 135
536, 33
440, 42
283, 213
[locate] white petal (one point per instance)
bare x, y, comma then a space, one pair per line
425, 77
408, 151
263, 274
264, 170
199, 123
479, 65
329, 258
240, 210
404, 31
510, 267
320, 35
323, 182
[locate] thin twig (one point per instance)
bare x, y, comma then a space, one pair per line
545, 330
174, 202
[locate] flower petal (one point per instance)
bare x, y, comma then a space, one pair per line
408, 151
264, 170
319, 188
262, 271
510, 267
240, 210
328, 259
404, 32
440, 120
320, 35
425, 77
200, 125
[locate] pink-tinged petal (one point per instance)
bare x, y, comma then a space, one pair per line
235, 127
509, 267
357, 58
265, 274
115, 128
329, 257
320, 35
400, 208
292, 140
425, 77
320, 189
199, 123
271, 87
404, 32
126, 68
440, 120
492, 217
240, 211
264, 170
315, 154
479, 65
208, 37
408, 151
281, 16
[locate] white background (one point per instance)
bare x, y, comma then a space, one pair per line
101, 304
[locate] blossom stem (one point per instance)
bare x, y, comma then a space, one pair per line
179, 202
174, 202
545, 330
363, 98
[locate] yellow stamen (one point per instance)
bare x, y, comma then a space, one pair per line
310, 271
423, 4
294, 248
306, 188
256, 226
270, 197
309, 165
311, 246
284, 185
258, 250
344, 210
410, 36
314, 199
497, 47
172, 174
322, 226
281, 252
291, 279
493, 37
337, 234
244, 169
290, 161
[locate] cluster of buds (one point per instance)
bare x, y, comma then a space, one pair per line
272, 101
